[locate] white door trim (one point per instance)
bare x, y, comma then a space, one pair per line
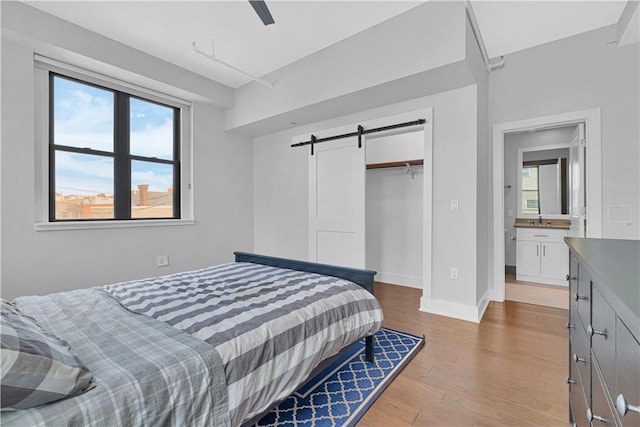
427, 198
593, 129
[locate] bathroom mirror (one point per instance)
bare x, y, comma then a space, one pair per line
543, 183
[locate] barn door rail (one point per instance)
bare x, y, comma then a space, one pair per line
361, 131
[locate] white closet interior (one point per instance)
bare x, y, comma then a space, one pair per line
394, 207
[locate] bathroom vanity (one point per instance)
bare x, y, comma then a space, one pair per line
541, 254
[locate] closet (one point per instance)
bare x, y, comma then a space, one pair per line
370, 196
394, 207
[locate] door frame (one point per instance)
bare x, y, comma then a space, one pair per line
593, 136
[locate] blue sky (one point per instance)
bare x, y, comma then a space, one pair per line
84, 118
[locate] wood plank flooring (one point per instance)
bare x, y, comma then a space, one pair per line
509, 370
535, 293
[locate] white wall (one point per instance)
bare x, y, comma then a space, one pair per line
577, 73
394, 230
483, 168
49, 261
395, 147
461, 164
513, 142
359, 72
281, 189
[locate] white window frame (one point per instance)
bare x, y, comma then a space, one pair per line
43, 66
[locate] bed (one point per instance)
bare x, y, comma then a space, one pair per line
216, 346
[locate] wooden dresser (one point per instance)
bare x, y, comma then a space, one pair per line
604, 332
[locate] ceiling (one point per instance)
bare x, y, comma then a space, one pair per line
510, 26
167, 29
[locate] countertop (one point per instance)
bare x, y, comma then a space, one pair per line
559, 224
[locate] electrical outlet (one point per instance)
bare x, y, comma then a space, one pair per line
162, 260
454, 273
510, 213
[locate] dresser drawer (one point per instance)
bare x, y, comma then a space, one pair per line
603, 330
580, 354
577, 400
599, 413
627, 375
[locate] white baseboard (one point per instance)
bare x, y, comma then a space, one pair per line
496, 295
399, 279
468, 312
535, 279
483, 304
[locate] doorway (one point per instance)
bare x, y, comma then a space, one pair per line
592, 123
337, 177
536, 187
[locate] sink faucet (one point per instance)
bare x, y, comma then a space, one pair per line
540, 220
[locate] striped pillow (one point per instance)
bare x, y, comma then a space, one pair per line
37, 367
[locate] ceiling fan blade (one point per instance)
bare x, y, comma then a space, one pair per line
263, 11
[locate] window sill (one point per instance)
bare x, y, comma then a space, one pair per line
92, 225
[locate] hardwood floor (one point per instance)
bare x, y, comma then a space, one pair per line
535, 293
509, 370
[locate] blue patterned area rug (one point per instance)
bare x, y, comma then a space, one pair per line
342, 393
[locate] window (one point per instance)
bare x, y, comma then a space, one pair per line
112, 155
530, 191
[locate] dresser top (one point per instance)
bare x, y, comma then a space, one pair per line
614, 264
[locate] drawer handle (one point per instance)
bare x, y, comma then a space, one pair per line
570, 326
591, 331
570, 381
541, 235
579, 297
623, 407
577, 358
591, 416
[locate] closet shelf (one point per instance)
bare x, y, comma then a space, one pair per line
400, 164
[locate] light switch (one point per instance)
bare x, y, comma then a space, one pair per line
454, 205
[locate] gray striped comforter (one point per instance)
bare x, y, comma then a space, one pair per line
270, 326
147, 373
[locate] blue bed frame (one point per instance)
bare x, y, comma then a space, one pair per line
363, 278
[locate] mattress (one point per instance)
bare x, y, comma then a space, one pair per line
271, 326
210, 347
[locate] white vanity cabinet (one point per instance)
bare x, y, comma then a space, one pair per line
542, 256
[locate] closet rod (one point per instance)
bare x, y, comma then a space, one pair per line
315, 140
400, 164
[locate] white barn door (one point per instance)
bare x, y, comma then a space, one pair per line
337, 203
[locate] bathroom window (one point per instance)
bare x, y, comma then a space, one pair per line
530, 191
